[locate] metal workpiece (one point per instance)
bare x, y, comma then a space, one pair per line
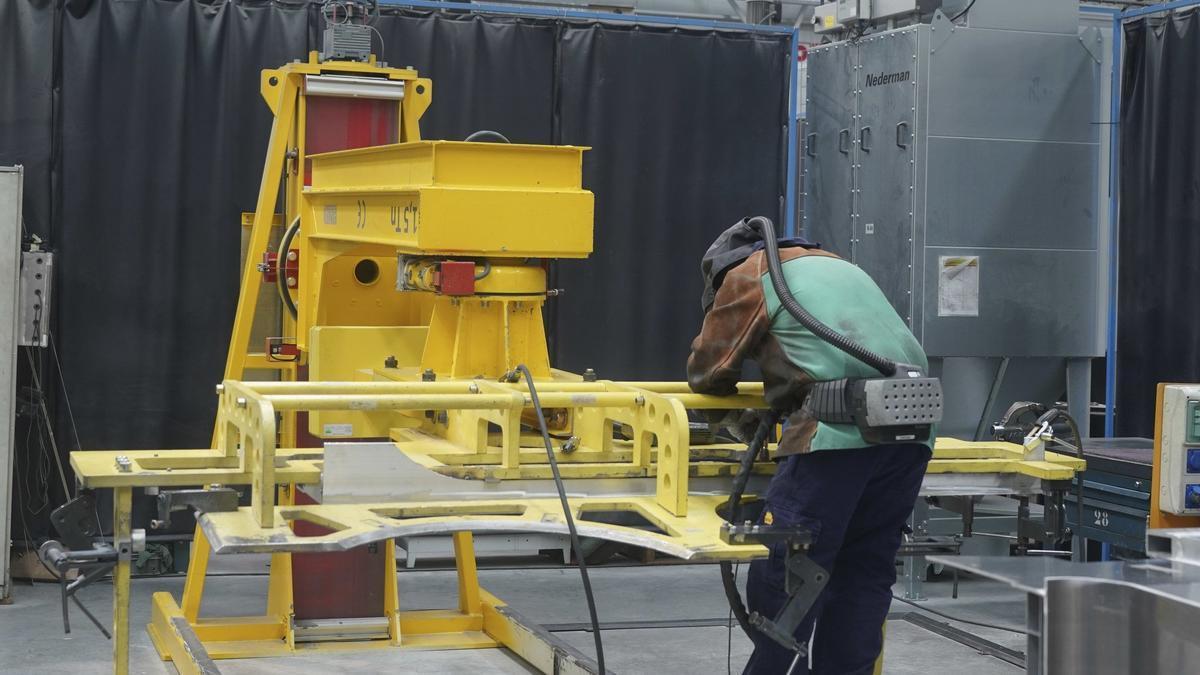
694, 537
1108, 618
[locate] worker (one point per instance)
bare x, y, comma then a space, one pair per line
854, 497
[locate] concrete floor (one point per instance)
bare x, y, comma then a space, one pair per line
31, 639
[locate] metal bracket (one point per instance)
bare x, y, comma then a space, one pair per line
803, 580
213, 500
941, 29
1093, 42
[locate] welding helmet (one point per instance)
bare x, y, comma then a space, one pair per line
729, 250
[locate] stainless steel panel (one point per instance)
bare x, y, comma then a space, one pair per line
883, 228
1031, 303
1014, 194
1001, 84
828, 176
1109, 628
10, 270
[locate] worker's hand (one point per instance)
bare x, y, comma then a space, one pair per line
741, 424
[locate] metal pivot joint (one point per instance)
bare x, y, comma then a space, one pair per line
803, 581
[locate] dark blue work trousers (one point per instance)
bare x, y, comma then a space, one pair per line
856, 503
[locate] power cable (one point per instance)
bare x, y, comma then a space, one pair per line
963, 13
566, 507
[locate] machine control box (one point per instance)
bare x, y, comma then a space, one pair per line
1179, 462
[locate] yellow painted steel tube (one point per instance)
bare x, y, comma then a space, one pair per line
449, 401
701, 401
352, 388
395, 401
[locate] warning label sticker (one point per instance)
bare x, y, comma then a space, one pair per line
958, 285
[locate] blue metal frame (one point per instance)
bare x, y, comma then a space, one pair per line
581, 15
789, 191
1155, 9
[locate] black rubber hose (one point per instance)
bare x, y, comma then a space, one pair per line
1048, 417
566, 507
281, 267
486, 134
733, 511
883, 364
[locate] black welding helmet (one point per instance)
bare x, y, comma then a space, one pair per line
729, 249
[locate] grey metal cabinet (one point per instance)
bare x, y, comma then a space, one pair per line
960, 167
935, 142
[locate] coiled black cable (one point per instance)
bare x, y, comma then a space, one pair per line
566, 507
881, 363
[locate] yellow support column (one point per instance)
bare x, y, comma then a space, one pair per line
391, 594
193, 585
468, 574
123, 541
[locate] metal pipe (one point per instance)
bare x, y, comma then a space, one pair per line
705, 402
396, 401
451, 401
743, 389
292, 388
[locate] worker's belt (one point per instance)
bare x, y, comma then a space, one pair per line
885, 409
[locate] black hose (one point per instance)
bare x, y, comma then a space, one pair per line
753, 450
487, 134
733, 511
281, 267
1052, 414
566, 507
883, 364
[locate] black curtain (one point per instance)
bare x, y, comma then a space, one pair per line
144, 133
164, 134
1159, 214
687, 137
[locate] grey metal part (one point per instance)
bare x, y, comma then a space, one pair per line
493, 545
828, 175
1051, 16
1058, 324
999, 193
214, 500
885, 141
894, 401
202, 662
547, 652
11, 182
34, 319
1003, 163
1142, 631
346, 42
359, 473
335, 630
1105, 618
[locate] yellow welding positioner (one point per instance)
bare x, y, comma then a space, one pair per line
418, 276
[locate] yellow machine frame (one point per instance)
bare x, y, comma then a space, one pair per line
438, 399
